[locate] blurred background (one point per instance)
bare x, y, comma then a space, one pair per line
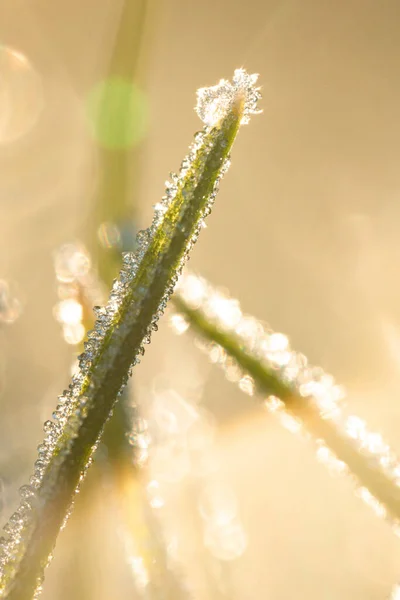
304, 234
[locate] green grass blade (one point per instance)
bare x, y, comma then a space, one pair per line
305, 398
120, 107
122, 328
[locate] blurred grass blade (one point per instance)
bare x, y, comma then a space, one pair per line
122, 328
304, 398
119, 114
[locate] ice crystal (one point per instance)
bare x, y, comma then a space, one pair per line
213, 103
122, 327
305, 398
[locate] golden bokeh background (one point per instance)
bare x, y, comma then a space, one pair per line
305, 233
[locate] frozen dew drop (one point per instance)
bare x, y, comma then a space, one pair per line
26, 491
42, 449
213, 103
100, 311
49, 428
21, 95
9, 528
15, 519
143, 237
40, 465
35, 481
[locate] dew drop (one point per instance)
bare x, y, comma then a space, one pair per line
40, 465
42, 449
34, 481
48, 427
26, 491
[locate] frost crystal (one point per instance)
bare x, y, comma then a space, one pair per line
214, 102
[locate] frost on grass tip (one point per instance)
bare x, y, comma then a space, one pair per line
213, 103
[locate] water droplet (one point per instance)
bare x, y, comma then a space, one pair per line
49, 427
26, 491
34, 481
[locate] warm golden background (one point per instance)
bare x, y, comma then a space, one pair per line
305, 233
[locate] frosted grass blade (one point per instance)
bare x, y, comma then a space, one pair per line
306, 399
123, 326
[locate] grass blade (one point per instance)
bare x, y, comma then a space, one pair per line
302, 396
122, 328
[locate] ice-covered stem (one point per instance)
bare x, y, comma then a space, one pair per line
123, 326
301, 395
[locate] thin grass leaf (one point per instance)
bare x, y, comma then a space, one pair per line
304, 398
137, 300
111, 223
119, 121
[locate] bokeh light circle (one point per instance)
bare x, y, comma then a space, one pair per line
21, 95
